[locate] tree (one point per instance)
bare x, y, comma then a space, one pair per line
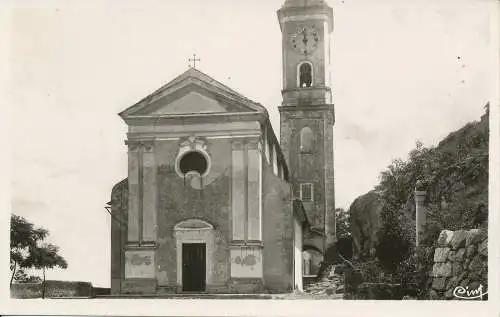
343, 231
46, 257
23, 238
394, 243
27, 250
22, 277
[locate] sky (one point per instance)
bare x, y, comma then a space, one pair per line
402, 71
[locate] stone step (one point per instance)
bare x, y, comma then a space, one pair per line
190, 296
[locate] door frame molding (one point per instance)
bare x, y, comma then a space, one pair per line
195, 231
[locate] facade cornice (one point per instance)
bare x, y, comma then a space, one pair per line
194, 118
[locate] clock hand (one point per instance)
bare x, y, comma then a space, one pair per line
304, 40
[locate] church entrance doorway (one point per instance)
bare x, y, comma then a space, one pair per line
193, 267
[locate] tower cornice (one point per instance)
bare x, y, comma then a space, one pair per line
320, 11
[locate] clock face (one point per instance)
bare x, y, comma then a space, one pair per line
305, 39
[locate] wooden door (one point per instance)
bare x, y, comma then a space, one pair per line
193, 267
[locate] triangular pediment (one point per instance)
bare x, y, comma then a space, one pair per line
192, 93
192, 102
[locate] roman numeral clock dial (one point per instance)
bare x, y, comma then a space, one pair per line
305, 39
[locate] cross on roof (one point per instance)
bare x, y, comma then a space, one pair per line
194, 60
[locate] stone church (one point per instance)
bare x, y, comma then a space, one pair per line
213, 201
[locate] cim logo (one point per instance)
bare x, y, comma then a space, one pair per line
466, 293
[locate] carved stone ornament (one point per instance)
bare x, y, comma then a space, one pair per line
192, 143
148, 145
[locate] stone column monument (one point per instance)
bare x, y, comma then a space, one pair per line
420, 217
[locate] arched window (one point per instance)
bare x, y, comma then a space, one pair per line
306, 140
305, 74
193, 161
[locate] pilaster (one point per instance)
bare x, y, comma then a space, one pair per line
142, 192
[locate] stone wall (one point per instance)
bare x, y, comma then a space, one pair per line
53, 289
460, 259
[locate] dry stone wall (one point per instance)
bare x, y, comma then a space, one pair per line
460, 259
53, 289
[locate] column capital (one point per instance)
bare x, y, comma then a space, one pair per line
253, 143
135, 145
148, 145
237, 144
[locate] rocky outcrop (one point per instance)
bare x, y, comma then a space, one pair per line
460, 263
365, 223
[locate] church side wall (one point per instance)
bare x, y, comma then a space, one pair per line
278, 236
119, 199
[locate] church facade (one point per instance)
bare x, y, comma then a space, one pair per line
213, 202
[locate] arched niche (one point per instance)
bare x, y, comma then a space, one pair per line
306, 140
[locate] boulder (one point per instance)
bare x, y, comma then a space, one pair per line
466, 262
457, 268
441, 254
445, 238
475, 236
471, 250
439, 283
452, 282
433, 294
462, 276
441, 269
483, 247
459, 255
465, 282
476, 263
475, 275
458, 239
449, 294
365, 223
474, 285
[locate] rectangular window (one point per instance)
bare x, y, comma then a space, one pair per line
306, 192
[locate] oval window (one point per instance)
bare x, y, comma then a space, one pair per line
193, 162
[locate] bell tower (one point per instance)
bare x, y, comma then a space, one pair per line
307, 113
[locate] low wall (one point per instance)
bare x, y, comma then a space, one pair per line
460, 260
53, 289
